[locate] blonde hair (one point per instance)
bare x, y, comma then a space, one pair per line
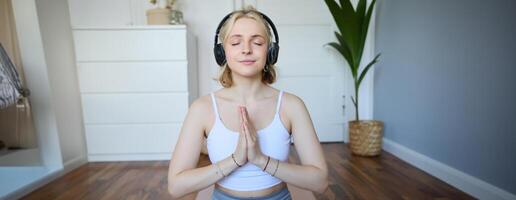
224, 76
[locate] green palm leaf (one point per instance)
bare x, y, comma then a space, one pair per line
365, 25
343, 51
344, 17
353, 26
361, 7
364, 72
348, 52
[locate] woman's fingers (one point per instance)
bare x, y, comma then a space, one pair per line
246, 115
246, 121
242, 130
252, 137
241, 118
246, 125
240, 114
245, 129
244, 135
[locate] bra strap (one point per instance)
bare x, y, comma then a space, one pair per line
279, 101
214, 105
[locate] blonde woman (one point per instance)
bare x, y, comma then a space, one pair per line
248, 125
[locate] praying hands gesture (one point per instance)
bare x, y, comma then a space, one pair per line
248, 147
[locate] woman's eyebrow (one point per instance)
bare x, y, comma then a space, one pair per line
253, 36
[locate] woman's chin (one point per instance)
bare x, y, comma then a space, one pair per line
248, 73
248, 66
246, 70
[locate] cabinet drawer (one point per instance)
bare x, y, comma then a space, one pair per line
133, 77
134, 108
129, 44
129, 138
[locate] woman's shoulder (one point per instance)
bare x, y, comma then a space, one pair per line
202, 103
291, 107
291, 100
201, 110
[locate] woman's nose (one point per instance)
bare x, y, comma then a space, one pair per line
246, 48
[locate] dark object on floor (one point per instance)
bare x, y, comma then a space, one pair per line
2, 145
14, 148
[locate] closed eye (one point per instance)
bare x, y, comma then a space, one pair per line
256, 43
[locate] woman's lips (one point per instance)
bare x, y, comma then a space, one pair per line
247, 62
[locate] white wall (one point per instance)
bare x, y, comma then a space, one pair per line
33, 58
54, 20
203, 27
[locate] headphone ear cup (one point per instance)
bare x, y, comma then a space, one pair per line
272, 54
220, 55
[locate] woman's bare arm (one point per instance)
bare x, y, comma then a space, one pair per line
183, 176
312, 174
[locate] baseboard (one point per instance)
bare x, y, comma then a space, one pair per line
465, 182
74, 164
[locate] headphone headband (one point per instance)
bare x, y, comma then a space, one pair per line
269, 21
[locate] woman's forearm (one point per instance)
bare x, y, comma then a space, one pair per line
307, 177
194, 180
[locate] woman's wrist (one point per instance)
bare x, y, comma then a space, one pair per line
271, 167
261, 162
231, 163
235, 161
219, 172
226, 166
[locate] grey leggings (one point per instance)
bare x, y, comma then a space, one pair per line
283, 194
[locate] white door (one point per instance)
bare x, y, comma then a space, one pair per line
306, 67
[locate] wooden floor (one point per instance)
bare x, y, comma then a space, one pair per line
351, 177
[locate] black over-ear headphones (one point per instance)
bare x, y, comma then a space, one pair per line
272, 53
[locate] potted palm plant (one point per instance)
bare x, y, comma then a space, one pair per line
365, 136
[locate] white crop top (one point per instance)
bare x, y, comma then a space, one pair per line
274, 141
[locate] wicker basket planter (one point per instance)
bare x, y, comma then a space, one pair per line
365, 137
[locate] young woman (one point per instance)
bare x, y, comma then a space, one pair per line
248, 124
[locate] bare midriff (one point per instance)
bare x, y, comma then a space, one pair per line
255, 193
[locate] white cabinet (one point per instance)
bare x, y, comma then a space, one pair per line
136, 85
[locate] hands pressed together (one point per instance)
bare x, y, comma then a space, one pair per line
248, 147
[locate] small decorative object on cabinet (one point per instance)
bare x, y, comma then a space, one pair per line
160, 14
136, 85
165, 13
176, 16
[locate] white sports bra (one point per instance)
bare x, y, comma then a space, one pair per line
274, 141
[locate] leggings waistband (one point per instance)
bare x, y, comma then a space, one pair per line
283, 194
